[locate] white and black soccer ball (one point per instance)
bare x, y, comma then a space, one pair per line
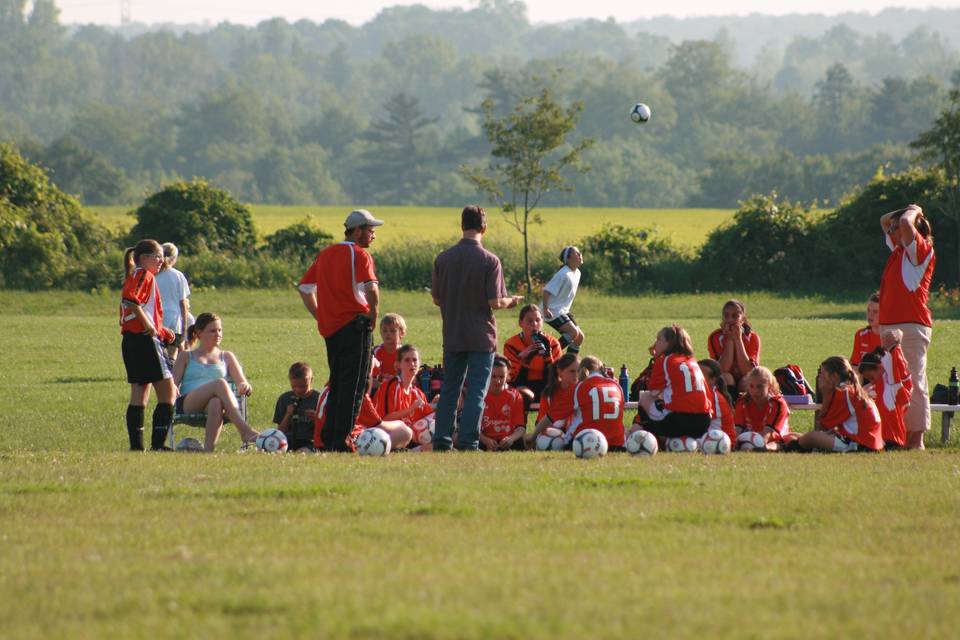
189, 444
424, 429
715, 441
751, 441
589, 443
550, 439
272, 441
640, 113
642, 443
373, 442
682, 444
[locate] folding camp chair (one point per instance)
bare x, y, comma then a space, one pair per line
199, 419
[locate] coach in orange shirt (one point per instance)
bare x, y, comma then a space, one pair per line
343, 281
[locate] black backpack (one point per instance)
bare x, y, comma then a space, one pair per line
791, 381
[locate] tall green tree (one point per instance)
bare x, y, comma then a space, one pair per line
530, 155
941, 143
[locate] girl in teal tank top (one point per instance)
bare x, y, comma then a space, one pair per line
201, 375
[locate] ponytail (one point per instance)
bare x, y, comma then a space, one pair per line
553, 373
131, 257
193, 331
128, 263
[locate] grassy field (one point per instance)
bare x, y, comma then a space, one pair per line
687, 227
103, 543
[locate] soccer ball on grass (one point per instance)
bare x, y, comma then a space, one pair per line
589, 443
373, 442
642, 443
272, 441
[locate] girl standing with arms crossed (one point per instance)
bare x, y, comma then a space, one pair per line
904, 291
141, 326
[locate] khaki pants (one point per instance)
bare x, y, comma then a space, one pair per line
916, 340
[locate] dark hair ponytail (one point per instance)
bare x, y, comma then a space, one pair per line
193, 331
553, 373
131, 257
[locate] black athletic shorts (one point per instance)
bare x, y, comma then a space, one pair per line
295, 444
561, 320
676, 425
144, 359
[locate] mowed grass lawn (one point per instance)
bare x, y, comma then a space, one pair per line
99, 542
686, 227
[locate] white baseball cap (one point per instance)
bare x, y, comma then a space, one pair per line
361, 218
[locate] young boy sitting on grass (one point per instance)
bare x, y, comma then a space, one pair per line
297, 408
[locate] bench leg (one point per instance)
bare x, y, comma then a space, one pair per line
945, 426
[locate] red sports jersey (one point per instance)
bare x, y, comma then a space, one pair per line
368, 417
852, 418
751, 344
684, 389
892, 396
559, 407
391, 396
598, 404
140, 289
387, 360
905, 284
502, 414
536, 368
337, 276
722, 415
864, 341
773, 414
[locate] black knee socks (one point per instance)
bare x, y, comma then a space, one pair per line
564, 340
162, 419
135, 427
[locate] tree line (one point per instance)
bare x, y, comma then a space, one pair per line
388, 112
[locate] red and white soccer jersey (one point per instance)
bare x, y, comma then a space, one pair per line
537, 366
337, 276
751, 344
853, 418
386, 362
391, 396
682, 382
502, 414
140, 290
721, 415
367, 418
864, 342
905, 284
598, 404
559, 407
892, 396
773, 414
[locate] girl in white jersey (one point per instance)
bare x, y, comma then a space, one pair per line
558, 295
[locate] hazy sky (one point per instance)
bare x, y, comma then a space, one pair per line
359, 11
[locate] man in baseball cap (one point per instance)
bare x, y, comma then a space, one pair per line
361, 218
340, 290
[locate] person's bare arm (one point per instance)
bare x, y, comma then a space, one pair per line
373, 300
310, 302
908, 228
546, 305
505, 303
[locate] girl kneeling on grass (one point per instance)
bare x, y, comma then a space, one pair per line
762, 409
676, 403
597, 404
400, 398
202, 372
556, 400
849, 420
141, 325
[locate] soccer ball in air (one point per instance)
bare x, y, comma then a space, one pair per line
373, 442
272, 441
551, 439
642, 443
681, 444
751, 441
640, 113
590, 443
715, 441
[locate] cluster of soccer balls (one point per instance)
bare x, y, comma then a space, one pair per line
591, 443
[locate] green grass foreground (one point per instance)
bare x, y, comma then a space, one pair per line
685, 227
99, 542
